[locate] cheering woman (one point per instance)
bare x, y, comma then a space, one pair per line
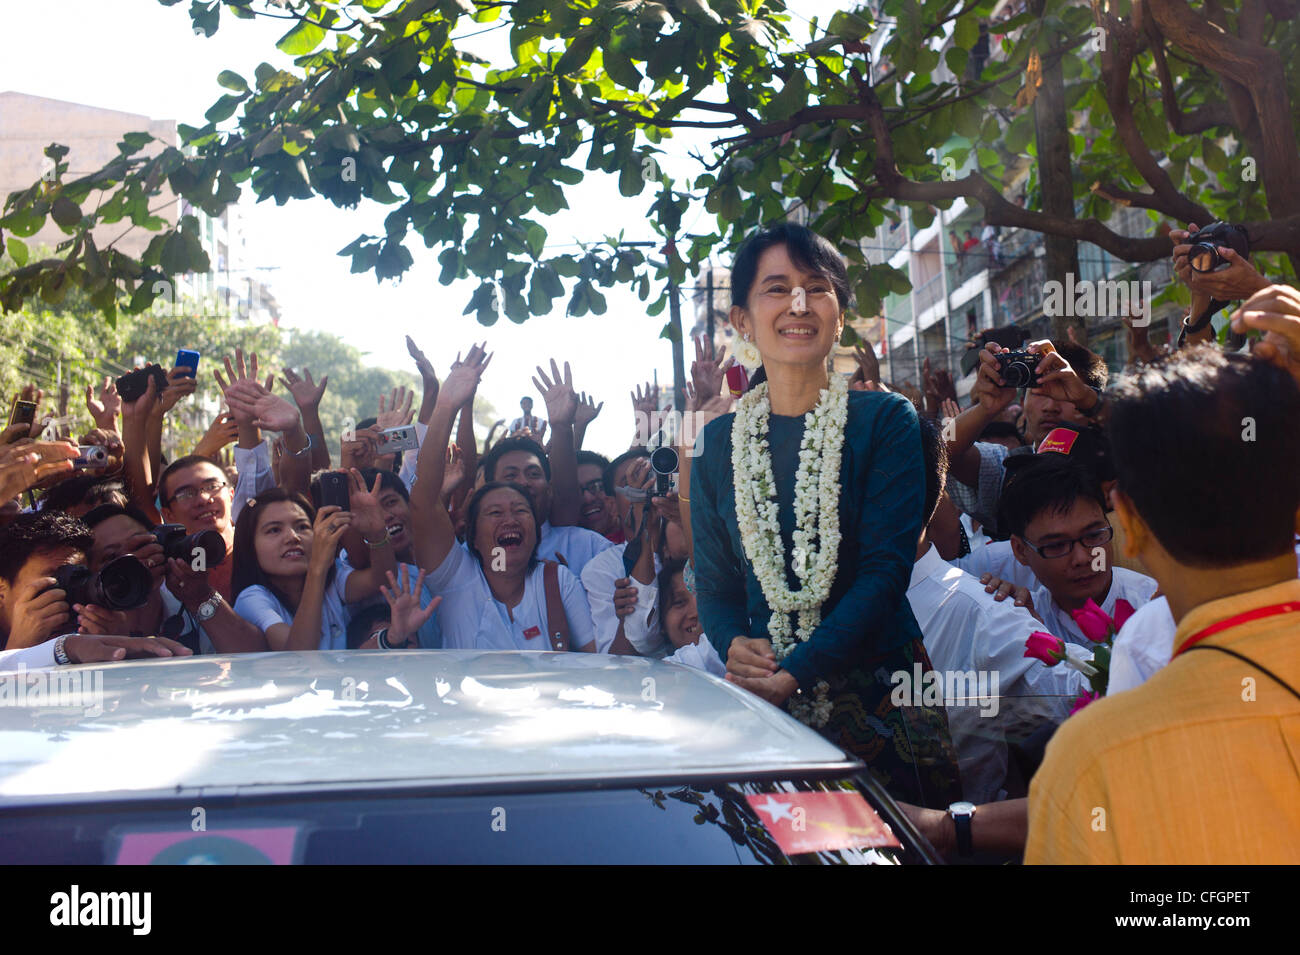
805, 506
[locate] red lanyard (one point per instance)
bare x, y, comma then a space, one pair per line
1259, 613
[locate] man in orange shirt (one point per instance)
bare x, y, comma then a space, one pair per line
1199, 764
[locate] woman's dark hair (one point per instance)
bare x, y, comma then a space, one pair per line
82, 489
476, 503
245, 570
671, 568
808, 250
934, 451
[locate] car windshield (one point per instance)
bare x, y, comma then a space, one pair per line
743, 823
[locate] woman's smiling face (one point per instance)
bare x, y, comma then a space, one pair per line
505, 528
283, 539
793, 316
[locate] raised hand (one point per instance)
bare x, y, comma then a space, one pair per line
104, 410
422, 363
31, 463
1057, 379
179, 385
398, 411
949, 409
305, 392
327, 532
256, 405
364, 505
937, 385
868, 365
464, 377
646, 404
561, 400
239, 372
1275, 311
223, 431
587, 411
453, 475
361, 450
111, 442
143, 406
406, 617
708, 372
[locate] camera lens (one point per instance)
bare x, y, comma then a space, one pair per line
664, 460
1203, 257
175, 543
122, 584
1017, 374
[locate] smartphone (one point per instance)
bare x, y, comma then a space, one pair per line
134, 383
402, 438
90, 456
188, 359
22, 412
334, 489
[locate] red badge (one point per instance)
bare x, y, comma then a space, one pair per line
821, 822
532, 632
737, 380
1060, 440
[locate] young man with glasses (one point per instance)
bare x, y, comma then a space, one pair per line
193, 491
1055, 511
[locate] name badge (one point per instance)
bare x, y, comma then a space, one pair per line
532, 632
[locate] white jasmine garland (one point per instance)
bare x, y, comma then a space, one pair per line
816, 538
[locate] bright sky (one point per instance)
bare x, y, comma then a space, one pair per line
141, 57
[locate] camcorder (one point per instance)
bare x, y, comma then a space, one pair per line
664, 462
176, 543
124, 583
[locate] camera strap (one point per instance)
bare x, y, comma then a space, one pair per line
557, 622
1205, 318
1245, 659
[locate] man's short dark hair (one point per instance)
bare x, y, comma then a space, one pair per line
934, 451
1048, 482
1207, 447
186, 462
83, 489
617, 463
505, 446
96, 516
996, 430
591, 457
388, 481
42, 531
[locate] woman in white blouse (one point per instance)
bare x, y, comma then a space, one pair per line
287, 576
493, 589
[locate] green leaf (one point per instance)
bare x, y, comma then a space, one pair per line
967, 31
578, 53
17, 251
621, 69
232, 81
302, 39
223, 108
956, 59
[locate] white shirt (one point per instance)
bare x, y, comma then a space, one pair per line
997, 558
576, 544
471, 618
964, 629
255, 476
532, 423
259, 607
1124, 583
41, 655
700, 655
641, 627
976, 538
1143, 645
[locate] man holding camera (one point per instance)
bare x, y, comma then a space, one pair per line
33, 608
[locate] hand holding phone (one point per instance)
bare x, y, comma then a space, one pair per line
188, 359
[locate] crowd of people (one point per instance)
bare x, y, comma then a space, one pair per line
822, 542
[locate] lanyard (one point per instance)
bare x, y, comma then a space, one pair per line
1259, 613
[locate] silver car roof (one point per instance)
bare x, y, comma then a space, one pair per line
265, 723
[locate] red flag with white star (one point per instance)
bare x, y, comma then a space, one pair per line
821, 822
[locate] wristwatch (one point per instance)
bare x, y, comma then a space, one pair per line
208, 609
962, 813
1096, 406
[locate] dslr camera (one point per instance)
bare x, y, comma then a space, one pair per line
1205, 243
176, 543
1019, 369
124, 583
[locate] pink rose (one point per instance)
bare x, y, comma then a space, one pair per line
1123, 610
1045, 647
1093, 621
1084, 699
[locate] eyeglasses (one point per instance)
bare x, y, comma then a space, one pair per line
594, 488
209, 488
1058, 549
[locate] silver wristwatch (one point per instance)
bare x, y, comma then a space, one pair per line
208, 609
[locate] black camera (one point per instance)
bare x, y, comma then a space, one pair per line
133, 384
664, 462
1205, 243
124, 583
1019, 369
176, 543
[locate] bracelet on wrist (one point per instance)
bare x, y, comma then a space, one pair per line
300, 453
375, 545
